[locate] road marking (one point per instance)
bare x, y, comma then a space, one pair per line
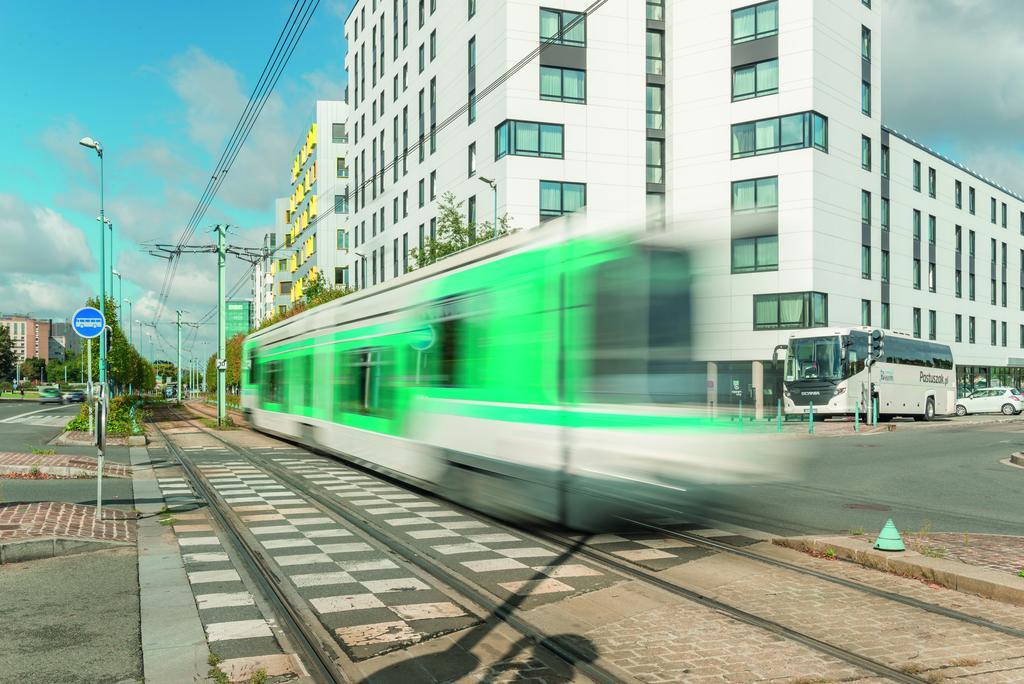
20, 416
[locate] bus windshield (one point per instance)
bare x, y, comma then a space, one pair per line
814, 358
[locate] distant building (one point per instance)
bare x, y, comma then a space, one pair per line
263, 276
238, 317
63, 340
30, 337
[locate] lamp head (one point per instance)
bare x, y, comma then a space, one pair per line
94, 144
489, 181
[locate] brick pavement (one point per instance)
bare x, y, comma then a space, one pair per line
12, 461
64, 520
998, 552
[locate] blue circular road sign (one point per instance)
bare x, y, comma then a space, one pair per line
88, 322
423, 338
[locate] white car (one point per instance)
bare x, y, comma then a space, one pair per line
1005, 400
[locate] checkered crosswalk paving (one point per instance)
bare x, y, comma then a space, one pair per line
176, 491
370, 602
506, 563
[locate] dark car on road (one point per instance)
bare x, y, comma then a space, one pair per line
74, 396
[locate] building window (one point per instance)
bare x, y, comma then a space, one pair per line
865, 153
780, 134
885, 213
342, 238
405, 203
958, 284
433, 185
655, 10
970, 200
1022, 223
970, 286
558, 199
472, 8
1004, 214
563, 85
865, 312
422, 57
992, 291
528, 139
471, 106
341, 275
405, 252
433, 45
750, 255
756, 21
341, 168
931, 229
931, 277
422, 192
993, 211
917, 322
865, 98
958, 238
958, 194
885, 315
958, 328
471, 215
931, 324
885, 161
564, 28
885, 265
865, 207
656, 53
338, 134
917, 224
655, 160
340, 204
971, 243
931, 182
471, 161
971, 329
917, 274
865, 262
758, 194
992, 332
790, 310
656, 116
917, 176
755, 80
865, 43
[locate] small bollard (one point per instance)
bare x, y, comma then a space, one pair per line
778, 416
874, 413
810, 419
856, 416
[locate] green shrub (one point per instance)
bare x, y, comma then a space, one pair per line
120, 423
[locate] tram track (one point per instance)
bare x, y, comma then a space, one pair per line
629, 571
290, 607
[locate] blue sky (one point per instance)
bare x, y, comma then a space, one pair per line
162, 84
161, 87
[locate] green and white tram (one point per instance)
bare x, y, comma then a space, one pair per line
513, 376
838, 373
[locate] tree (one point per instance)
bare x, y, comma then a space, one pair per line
318, 291
7, 359
454, 234
33, 370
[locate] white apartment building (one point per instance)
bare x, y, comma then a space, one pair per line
756, 127
263, 272
310, 222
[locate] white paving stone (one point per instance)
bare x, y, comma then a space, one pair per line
319, 579
286, 543
206, 576
531, 552
210, 557
302, 559
338, 604
453, 549
232, 600
274, 529
493, 564
432, 534
389, 585
240, 629
198, 541
365, 565
350, 547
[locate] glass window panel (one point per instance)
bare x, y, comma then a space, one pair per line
768, 252
820, 131
819, 309
767, 193
767, 133
574, 196
576, 34
768, 77
549, 21
550, 140
527, 138
743, 255
743, 82
791, 309
743, 140
792, 131
766, 311
574, 85
550, 82
743, 196
767, 18
550, 198
743, 24
655, 107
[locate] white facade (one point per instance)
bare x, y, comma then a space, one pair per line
819, 59
263, 273
308, 221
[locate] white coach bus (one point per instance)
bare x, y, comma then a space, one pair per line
835, 372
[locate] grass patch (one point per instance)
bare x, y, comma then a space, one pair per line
168, 521
212, 423
965, 662
1020, 573
215, 673
43, 452
857, 532
830, 553
259, 677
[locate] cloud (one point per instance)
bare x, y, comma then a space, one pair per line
949, 80
38, 240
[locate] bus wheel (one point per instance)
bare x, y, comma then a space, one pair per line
929, 410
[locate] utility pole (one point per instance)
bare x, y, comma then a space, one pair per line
129, 319
222, 361
178, 365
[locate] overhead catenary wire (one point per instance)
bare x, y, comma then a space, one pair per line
291, 33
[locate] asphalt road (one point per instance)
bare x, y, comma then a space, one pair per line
25, 426
942, 477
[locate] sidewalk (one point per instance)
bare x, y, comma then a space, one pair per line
59, 465
42, 530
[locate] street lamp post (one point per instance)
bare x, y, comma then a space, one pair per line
95, 145
129, 319
120, 287
494, 194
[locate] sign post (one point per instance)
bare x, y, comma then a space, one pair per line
88, 323
422, 340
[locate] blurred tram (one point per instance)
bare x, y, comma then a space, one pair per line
533, 376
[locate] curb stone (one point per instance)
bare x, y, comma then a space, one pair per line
955, 575
51, 547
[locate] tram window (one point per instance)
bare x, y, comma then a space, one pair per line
254, 369
448, 331
368, 366
307, 380
274, 382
